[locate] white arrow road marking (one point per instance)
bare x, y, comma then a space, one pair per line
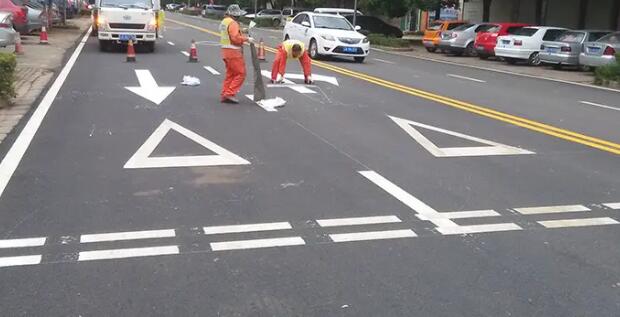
149, 89
212, 70
493, 148
298, 88
141, 158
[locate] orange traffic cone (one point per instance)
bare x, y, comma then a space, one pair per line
19, 49
131, 52
43, 36
261, 50
193, 53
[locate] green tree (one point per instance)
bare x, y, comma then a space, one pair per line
399, 8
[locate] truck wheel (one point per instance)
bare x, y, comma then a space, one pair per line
104, 45
150, 46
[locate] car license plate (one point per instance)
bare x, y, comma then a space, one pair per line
594, 49
127, 37
350, 49
505, 42
552, 49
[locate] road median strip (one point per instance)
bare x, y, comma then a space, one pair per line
564, 134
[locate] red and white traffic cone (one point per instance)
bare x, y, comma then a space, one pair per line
193, 53
261, 51
19, 49
131, 52
43, 36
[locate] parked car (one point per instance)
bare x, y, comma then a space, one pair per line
336, 11
174, 6
525, 43
460, 40
601, 52
19, 13
8, 35
327, 34
275, 15
566, 48
432, 35
370, 24
214, 9
486, 40
288, 12
36, 18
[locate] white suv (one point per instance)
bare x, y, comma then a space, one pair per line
327, 34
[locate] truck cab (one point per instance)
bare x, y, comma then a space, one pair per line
118, 21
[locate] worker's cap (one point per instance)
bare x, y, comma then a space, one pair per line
235, 11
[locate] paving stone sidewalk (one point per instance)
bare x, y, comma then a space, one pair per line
36, 68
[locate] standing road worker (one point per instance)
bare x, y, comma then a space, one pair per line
291, 49
231, 40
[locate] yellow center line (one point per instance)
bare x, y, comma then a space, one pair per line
564, 134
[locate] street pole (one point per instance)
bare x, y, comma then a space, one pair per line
354, 13
255, 7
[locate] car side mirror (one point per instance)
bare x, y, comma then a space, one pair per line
357, 28
306, 24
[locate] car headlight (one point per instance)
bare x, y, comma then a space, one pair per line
328, 37
365, 40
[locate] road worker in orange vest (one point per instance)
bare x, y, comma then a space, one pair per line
291, 49
231, 41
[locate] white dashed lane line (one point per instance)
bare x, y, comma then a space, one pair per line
170, 43
599, 105
383, 61
185, 53
466, 78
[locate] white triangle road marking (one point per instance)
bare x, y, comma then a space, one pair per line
142, 159
492, 148
149, 89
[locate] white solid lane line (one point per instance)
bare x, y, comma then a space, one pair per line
247, 228
373, 235
22, 243
127, 253
496, 227
613, 205
185, 53
383, 61
129, 235
256, 243
566, 223
466, 214
170, 43
551, 209
18, 149
356, 221
599, 105
212, 70
20, 260
466, 78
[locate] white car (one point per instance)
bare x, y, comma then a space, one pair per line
327, 34
524, 44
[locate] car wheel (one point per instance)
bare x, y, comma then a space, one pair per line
557, 66
431, 49
286, 37
470, 50
359, 59
483, 56
276, 22
314, 50
585, 68
534, 59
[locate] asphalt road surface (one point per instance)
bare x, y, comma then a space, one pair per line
396, 187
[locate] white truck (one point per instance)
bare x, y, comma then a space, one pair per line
118, 21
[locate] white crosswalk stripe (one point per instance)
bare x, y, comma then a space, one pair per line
129, 235
372, 235
551, 209
20, 260
257, 243
356, 221
247, 228
22, 243
612, 205
127, 253
567, 223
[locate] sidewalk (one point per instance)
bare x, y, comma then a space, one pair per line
566, 74
36, 68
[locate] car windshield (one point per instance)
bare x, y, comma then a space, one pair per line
141, 4
571, 37
525, 31
462, 27
612, 38
328, 22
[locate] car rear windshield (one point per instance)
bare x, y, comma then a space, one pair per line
552, 35
484, 28
451, 26
595, 36
525, 31
18, 2
571, 37
612, 38
331, 22
462, 27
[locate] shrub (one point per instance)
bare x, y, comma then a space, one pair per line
605, 74
8, 62
266, 22
382, 40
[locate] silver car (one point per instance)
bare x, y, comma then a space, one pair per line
601, 52
566, 48
36, 18
460, 40
8, 35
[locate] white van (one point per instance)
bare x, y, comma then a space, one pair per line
336, 11
119, 21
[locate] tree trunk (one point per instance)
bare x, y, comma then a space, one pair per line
614, 18
486, 11
541, 11
583, 13
515, 14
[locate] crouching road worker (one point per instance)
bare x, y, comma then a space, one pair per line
231, 40
291, 49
